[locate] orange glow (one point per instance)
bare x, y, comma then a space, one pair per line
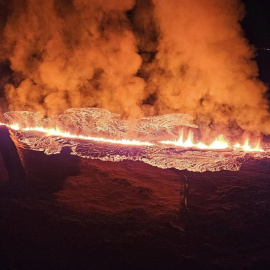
219, 143
248, 148
57, 132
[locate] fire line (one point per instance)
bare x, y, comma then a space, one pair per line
219, 143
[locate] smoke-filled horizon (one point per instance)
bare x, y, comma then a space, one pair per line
135, 58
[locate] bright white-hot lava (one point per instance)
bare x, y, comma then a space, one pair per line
65, 134
247, 148
219, 143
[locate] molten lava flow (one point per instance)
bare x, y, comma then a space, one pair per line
65, 134
219, 143
247, 148
98, 134
87, 124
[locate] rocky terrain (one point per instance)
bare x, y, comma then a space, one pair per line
75, 213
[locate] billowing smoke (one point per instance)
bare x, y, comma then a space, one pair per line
203, 65
72, 54
135, 58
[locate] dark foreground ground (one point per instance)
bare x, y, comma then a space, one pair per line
74, 213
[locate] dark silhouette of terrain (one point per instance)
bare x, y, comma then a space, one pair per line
49, 172
10, 157
75, 213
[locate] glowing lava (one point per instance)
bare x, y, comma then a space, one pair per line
57, 132
247, 148
219, 143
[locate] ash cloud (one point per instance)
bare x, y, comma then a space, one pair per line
135, 58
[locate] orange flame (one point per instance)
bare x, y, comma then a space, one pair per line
58, 132
219, 143
248, 148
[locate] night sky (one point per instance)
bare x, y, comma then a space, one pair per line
256, 25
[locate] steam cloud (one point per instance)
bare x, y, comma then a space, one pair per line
132, 57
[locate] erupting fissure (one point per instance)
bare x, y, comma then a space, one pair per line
125, 60
167, 141
66, 134
219, 143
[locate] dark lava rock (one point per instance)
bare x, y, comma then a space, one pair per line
78, 213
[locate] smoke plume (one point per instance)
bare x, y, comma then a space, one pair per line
72, 54
132, 57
